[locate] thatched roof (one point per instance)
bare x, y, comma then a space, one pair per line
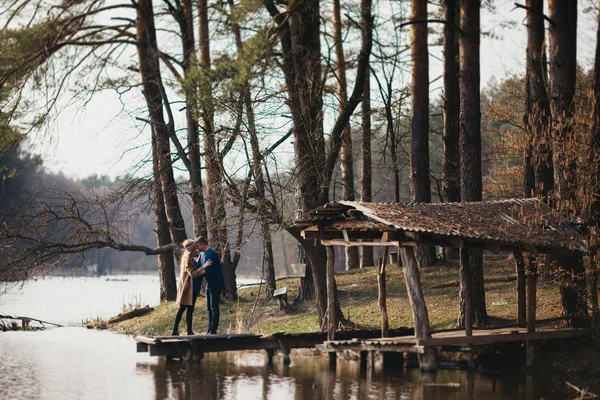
513, 224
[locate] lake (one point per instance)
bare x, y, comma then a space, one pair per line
77, 363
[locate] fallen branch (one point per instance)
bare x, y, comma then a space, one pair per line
138, 312
26, 320
449, 384
583, 393
491, 279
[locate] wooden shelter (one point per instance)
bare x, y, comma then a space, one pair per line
517, 225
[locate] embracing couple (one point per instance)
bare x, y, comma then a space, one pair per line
206, 266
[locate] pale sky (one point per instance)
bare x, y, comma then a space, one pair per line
93, 140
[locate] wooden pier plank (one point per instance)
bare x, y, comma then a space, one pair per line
456, 338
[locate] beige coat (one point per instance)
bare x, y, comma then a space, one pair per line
185, 290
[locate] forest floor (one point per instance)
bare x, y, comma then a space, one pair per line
358, 298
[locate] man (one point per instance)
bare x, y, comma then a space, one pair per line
213, 274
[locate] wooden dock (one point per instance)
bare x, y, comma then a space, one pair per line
450, 341
193, 348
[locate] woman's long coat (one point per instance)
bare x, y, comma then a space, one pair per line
185, 290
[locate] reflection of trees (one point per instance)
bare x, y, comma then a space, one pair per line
227, 375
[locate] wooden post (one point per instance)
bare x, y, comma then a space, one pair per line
427, 360
531, 310
285, 352
270, 353
385, 327
332, 360
364, 355
531, 295
466, 288
521, 289
370, 364
331, 316
392, 360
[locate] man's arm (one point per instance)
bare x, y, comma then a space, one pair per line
202, 270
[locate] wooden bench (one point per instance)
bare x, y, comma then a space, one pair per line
281, 296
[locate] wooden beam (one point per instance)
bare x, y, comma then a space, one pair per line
329, 242
352, 235
482, 339
331, 315
427, 360
521, 289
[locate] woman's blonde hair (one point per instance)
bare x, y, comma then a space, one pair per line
188, 245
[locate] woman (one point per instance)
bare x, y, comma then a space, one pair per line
188, 289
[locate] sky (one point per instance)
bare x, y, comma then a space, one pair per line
100, 139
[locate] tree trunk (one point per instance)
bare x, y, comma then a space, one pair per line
168, 227
307, 285
451, 160
257, 172
346, 162
215, 194
528, 167
332, 320
419, 123
539, 113
365, 194
316, 254
269, 264
573, 290
151, 78
595, 162
166, 263
563, 64
393, 146
299, 33
563, 67
186, 27
470, 141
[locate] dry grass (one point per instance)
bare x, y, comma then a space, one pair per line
358, 298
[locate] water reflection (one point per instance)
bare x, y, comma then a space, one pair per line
74, 363
248, 376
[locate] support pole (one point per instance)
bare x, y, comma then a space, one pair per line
370, 364
531, 295
531, 310
385, 327
270, 353
364, 355
427, 360
521, 289
467, 288
332, 360
285, 352
331, 315
392, 360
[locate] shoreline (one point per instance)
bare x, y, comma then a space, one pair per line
574, 362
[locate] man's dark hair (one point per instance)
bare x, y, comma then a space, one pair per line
201, 240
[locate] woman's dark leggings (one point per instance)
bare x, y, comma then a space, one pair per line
188, 315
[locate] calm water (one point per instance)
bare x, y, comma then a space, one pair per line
76, 363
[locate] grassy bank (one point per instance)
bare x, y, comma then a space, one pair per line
358, 298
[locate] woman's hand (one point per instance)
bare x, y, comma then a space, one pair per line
207, 264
